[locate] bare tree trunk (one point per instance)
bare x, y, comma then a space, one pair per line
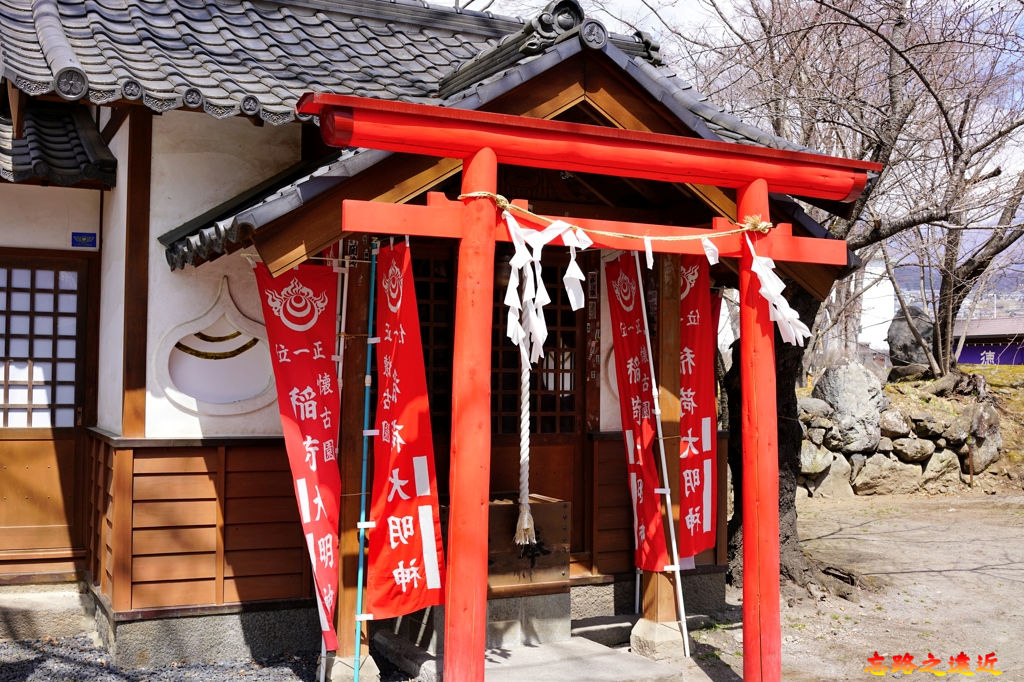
947, 286
794, 564
983, 282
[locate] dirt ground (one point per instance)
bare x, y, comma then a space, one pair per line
944, 575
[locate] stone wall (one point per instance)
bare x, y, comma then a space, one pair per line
857, 443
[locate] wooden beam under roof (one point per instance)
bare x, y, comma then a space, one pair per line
16, 100
118, 115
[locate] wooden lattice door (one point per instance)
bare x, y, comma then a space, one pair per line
43, 319
556, 383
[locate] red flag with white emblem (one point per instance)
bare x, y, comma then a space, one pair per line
406, 563
637, 407
299, 310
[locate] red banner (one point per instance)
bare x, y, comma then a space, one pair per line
406, 564
637, 406
698, 422
299, 310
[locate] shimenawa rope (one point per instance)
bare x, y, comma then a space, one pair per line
528, 328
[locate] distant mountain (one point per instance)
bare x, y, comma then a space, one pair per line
1005, 282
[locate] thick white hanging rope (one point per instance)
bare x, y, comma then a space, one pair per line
527, 329
525, 534
793, 331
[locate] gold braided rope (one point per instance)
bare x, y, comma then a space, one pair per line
752, 223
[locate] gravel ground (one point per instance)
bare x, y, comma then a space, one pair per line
943, 576
79, 659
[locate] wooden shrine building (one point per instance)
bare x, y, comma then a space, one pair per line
147, 148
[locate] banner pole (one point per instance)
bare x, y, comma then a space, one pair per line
339, 345
680, 608
366, 447
638, 578
323, 660
339, 357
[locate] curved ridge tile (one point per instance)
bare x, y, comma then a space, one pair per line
69, 77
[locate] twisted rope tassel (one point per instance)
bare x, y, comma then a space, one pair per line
525, 534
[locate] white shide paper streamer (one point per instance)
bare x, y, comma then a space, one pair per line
793, 331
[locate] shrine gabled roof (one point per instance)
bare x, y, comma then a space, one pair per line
59, 145
194, 243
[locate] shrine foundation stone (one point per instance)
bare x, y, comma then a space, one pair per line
256, 635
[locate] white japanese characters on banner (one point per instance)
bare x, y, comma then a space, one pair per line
406, 562
698, 421
299, 310
637, 407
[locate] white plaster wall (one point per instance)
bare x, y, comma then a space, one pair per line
198, 163
878, 306
34, 217
112, 244
611, 417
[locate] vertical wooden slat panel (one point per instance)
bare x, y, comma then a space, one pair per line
121, 540
108, 516
104, 512
97, 496
218, 583
90, 542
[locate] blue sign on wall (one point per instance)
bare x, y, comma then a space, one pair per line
83, 240
992, 354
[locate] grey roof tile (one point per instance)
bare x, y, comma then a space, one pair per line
162, 50
60, 145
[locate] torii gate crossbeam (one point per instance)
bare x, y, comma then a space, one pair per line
483, 140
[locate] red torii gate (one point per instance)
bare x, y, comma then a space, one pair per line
483, 140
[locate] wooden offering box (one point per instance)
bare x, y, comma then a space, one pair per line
512, 566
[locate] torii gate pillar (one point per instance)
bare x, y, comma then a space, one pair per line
466, 585
762, 655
